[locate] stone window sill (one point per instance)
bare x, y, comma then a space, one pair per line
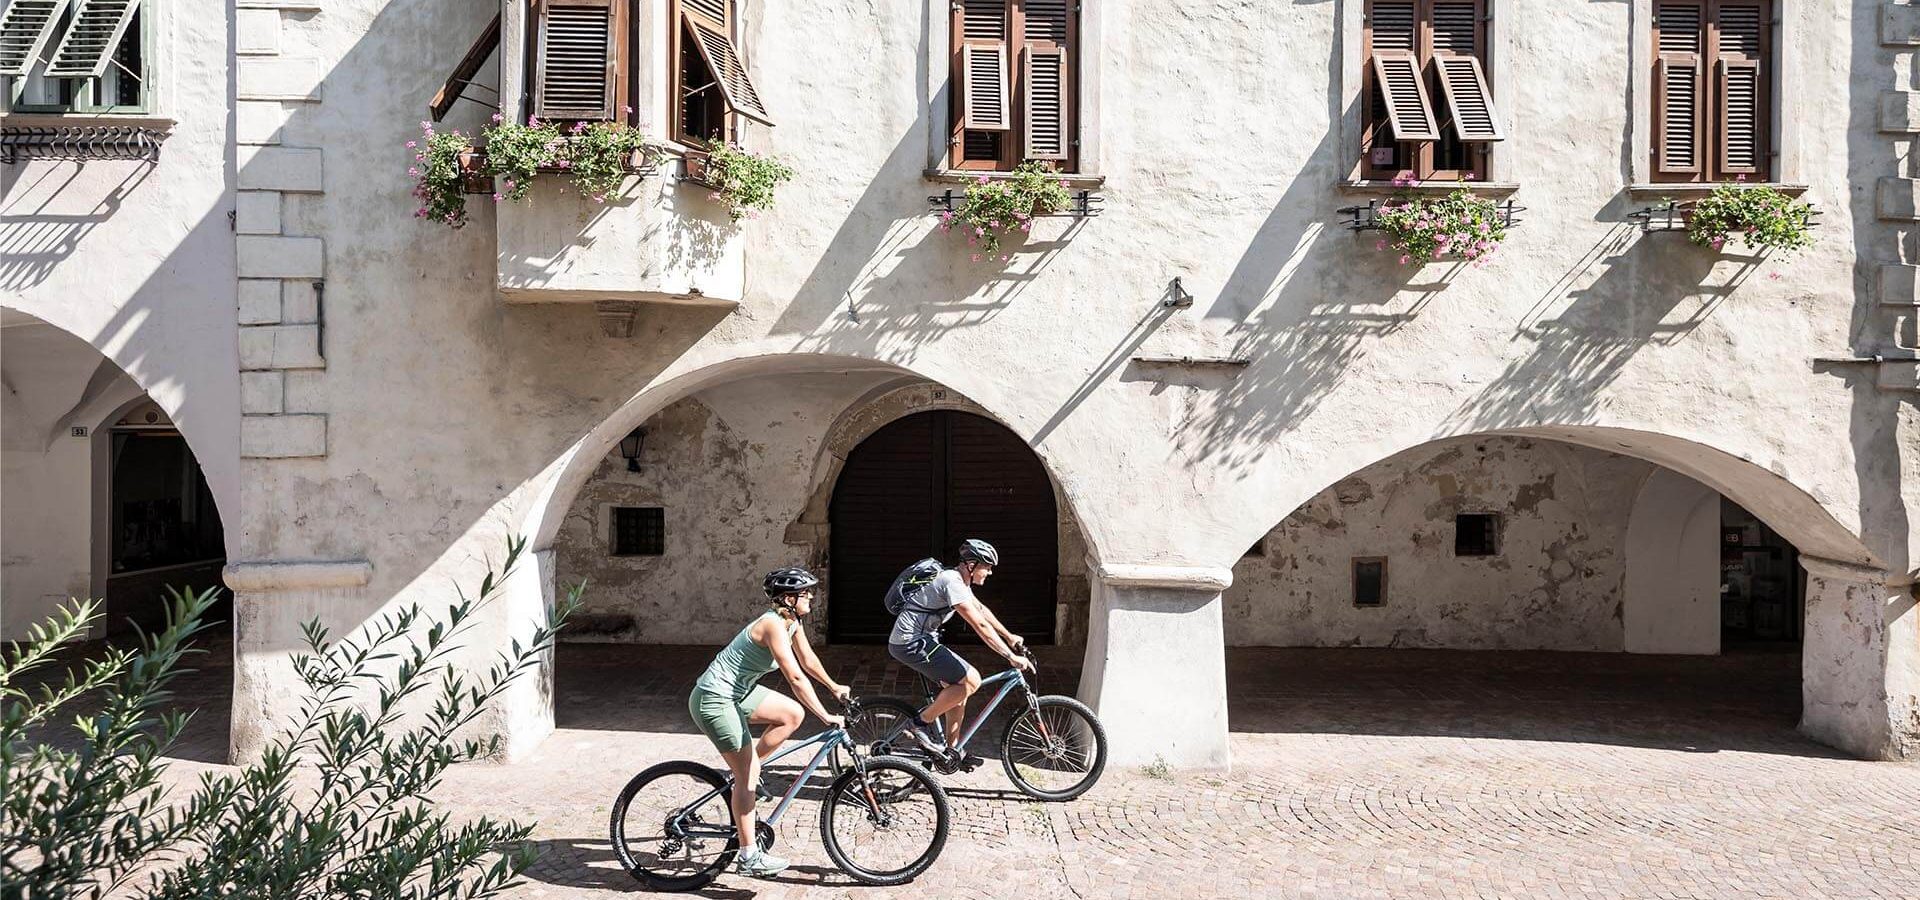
81, 120
1694, 191
1075, 181
1370, 186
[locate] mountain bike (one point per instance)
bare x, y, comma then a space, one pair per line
1053, 750
883, 819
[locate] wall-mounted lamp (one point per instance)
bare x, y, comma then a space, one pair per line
630, 448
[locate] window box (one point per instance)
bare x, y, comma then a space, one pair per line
1760, 217
1421, 229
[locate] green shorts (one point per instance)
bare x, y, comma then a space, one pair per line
723, 719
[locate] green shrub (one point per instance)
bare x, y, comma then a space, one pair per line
359, 822
744, 182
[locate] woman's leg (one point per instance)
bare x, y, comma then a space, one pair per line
781, 714
746, 773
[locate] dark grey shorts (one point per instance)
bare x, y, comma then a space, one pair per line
931, 658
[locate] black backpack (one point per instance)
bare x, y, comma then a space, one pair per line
906, 589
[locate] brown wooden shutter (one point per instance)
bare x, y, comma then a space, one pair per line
1458, 43
578, 63
1409, 112
1740, 88
98, 26
482, 47
714, 37
1048, 28
986, 102
25, 29
1679, 89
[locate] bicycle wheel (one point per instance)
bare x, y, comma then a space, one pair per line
887, 824
670, 828
1055, 750
881, 724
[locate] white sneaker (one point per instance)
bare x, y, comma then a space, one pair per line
758, 863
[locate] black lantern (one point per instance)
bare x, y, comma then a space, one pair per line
630, 448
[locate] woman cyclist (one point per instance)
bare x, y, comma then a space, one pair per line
728, 698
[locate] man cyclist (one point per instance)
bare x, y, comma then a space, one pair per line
915, 642
729, 699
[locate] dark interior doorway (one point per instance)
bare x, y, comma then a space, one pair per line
164, 531
918, 487
1762, 587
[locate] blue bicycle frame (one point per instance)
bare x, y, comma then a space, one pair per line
1007, 680
829, 741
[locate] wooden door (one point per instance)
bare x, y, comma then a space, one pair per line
918, 487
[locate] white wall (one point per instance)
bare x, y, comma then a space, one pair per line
1673, 567
46, 476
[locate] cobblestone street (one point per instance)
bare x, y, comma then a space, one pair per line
1357, 774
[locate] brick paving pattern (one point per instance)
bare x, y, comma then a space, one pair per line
1357, 774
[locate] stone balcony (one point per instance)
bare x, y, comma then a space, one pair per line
663, 240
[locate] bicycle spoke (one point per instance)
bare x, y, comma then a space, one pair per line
885, 822
669, 831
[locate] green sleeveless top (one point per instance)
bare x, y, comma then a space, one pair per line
741, 663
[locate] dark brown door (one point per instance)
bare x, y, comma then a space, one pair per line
918, 487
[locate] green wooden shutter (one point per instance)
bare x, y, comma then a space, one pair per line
25, 29
87, 48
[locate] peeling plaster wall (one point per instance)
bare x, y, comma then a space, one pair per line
732, 467
1556, 583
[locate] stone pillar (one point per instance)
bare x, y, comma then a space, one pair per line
1156, 668
271, 600
1860, 665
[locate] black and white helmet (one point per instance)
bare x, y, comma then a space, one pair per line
790, 580
976, 550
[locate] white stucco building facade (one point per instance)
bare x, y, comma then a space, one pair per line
1255, 428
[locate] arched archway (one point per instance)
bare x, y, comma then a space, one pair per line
1594, 540
919, 485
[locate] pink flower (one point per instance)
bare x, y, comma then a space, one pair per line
984, 179
976, 257
509, 184
1027, 228
426, 125
1063, 182
565, 163
496, 118
1004, 257
1740, 178
533, 121
412, 144
1468, 177
1773, 276
982, 232
1380, 245
496, 198
627, 109
1404, 259
415, 173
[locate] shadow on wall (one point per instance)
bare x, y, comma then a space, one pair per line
34, 241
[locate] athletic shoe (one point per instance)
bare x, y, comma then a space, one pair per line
758, 863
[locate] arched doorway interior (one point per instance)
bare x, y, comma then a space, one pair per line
916, 488
162, 527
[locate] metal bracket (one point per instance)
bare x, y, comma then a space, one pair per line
1085, 204
1367, 218
80, 142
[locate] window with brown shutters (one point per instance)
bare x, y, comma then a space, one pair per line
1712, 105
579, 59
710, 81
1426, 97
1014, 83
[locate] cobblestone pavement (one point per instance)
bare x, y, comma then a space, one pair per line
1356, 774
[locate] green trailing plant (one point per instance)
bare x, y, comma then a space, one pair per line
996, 209
1760, 217
438, 180
516, 153
597, 154
744, 182
358, 821
1461, 225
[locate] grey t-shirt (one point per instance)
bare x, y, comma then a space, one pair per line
927, 612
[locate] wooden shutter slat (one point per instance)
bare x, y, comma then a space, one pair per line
25, 29
1456, 27
1741, 117
1468, 100
1046, 111
87, 48
736, 87
1394, 26
578, 60
985, 88
1679, 90
1409, 111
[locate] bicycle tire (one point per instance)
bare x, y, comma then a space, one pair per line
873, 723
1062, 710
616, 828
845, 793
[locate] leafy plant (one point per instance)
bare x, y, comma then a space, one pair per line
744, 182
1422, 229
1760, 216
596, 155
438, 182
516, 153
358, 822
994, 209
